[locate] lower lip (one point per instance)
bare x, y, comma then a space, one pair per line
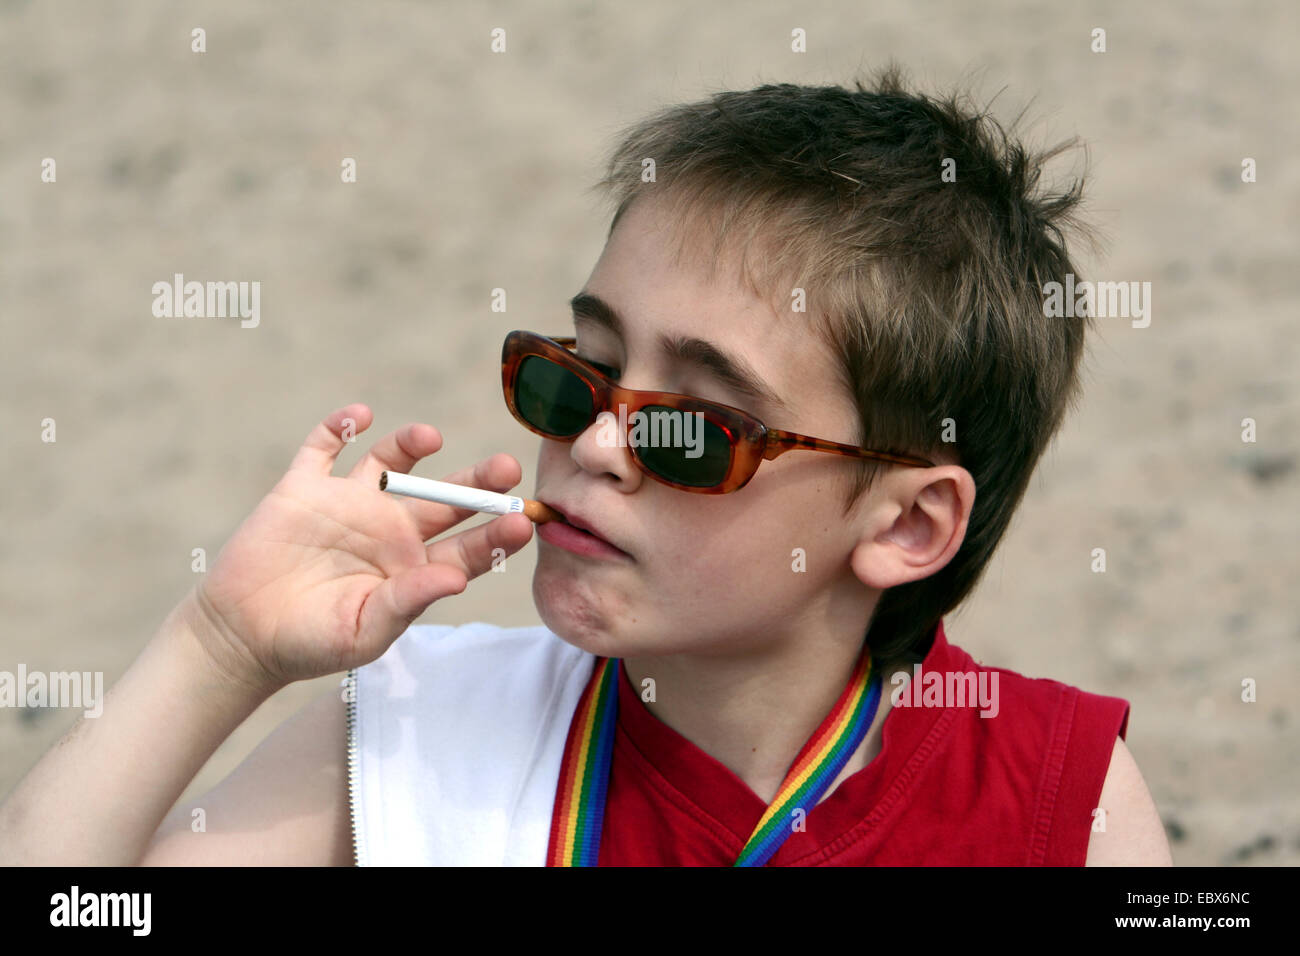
569, 538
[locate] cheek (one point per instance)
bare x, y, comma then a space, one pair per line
757, 555
550, 455
722, 562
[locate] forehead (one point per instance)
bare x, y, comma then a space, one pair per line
685, 255
664, 278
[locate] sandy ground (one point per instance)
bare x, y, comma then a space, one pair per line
472, 171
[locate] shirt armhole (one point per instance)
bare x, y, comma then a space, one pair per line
1090, 730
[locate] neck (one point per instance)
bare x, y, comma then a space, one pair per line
753, 711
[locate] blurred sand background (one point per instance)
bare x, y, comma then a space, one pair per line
472, 175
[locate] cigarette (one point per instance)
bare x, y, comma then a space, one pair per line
459, 496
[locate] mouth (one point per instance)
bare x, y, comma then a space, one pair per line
577, 534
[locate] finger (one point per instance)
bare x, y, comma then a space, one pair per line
471, 552
319, 452
397, 451
499, 473
397, 602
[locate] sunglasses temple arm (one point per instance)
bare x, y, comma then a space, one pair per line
779, 442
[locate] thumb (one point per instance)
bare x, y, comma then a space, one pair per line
392, 606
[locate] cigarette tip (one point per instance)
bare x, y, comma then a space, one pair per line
383, 480
540, 513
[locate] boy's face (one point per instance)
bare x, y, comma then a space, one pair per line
701, 573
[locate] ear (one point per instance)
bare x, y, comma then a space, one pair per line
915, 526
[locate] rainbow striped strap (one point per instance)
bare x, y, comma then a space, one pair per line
579, 811
584, 772
818, 764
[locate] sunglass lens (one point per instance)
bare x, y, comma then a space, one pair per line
551, 398
682, 451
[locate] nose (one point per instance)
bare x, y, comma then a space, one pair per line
602, 450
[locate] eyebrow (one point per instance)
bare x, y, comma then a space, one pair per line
731, 371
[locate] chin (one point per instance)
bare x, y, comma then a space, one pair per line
571, 613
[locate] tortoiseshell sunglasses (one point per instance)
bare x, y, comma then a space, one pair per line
559, 396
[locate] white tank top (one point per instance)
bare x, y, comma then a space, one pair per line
455, 737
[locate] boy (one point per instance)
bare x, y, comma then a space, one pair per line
729, 630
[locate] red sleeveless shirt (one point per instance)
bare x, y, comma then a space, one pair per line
948, 787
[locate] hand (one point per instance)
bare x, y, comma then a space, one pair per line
327, 572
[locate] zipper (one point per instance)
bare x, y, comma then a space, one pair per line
354, 769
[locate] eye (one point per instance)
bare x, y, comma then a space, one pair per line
607, 370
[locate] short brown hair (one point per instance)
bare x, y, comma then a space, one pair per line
929, 291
